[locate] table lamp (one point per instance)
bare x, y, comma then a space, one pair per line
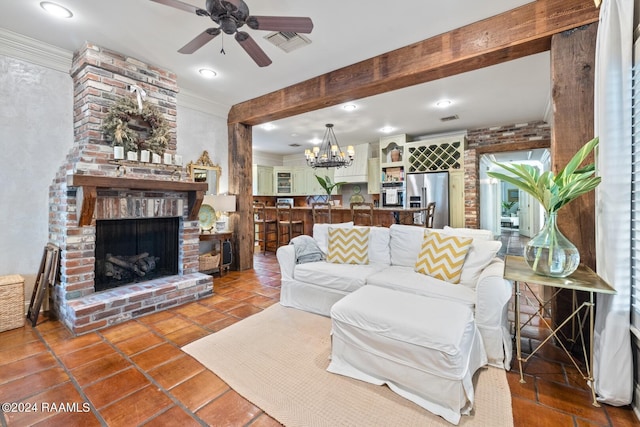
223, 203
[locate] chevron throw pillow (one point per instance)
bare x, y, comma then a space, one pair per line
348, 245
442, 256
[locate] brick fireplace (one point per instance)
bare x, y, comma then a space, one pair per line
91, 186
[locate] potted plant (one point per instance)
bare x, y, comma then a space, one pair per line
549, 252
506, 206
328, 186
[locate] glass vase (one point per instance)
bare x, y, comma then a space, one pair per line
549, 253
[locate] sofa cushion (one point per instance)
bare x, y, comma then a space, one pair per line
321, 233
348, 245
341, 277
483, 251
407, 280
378, 245
443, 256
474, 233
405, 242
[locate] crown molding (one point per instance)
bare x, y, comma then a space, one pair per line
193, 101
34, 51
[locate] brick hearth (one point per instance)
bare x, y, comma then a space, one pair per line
100, 78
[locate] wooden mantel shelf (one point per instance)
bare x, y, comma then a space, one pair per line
87, 192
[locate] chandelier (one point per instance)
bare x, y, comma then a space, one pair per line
329, 154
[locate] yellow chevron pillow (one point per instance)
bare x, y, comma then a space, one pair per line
348, 245
443, 256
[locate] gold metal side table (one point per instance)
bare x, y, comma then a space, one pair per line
583, 279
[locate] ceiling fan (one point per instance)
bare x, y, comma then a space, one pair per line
230, 15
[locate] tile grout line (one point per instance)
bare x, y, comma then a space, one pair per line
72, 378
150, 378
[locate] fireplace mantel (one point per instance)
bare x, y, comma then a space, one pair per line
88, 184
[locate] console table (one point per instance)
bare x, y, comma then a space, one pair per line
220, 238
583, 279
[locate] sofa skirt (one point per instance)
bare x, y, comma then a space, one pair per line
309, 297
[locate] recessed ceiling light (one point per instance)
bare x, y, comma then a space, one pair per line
387, 129
444, 103
350, 107
268, 126
56, 10
316, 141
207, 73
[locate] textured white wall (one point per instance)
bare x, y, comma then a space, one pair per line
198, 131
36, 132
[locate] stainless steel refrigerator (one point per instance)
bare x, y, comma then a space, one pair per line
423, 188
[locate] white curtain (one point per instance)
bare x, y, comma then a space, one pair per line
612, 359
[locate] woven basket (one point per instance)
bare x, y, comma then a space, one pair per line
11, 302
209, 261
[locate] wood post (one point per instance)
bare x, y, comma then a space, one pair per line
240, 184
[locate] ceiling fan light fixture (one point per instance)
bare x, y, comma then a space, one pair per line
207, 73
56, 9
329, 154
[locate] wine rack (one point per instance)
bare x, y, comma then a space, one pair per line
435, 156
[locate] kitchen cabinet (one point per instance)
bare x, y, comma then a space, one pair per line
373, 176
456, 198
262, 180
300, 181
357, 172
282, 181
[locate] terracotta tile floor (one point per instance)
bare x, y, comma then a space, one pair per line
135, 374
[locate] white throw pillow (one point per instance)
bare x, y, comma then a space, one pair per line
321, 233
483, 250
378, 245
405, 242
478, 258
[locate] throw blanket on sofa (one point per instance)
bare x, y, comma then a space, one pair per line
307, 250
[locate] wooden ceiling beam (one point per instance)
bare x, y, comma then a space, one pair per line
510, 35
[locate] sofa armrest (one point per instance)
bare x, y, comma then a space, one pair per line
493, 293
287, 259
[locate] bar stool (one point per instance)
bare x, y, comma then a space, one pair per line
321, 212
362, 211
265, 230
288, 228
428, 218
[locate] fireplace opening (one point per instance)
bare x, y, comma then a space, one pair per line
135, 250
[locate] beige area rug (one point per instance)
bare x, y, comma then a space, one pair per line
277, 360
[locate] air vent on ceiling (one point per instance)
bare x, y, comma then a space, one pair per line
295, 144
287, 40
449, 118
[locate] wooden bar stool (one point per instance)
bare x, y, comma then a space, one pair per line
288, 228
362, 212
265, 230
428, 219
321, 212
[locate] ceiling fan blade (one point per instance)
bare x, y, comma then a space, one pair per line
280, 23
203, 38
183, 6
251, 47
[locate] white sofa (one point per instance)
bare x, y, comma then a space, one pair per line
316, 286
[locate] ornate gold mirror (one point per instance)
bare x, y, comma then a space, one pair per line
204, 170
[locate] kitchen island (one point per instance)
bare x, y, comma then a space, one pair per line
383, 217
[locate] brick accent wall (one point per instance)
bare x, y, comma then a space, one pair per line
100, 78
493, 137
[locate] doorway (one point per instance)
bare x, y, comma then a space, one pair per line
502, 206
